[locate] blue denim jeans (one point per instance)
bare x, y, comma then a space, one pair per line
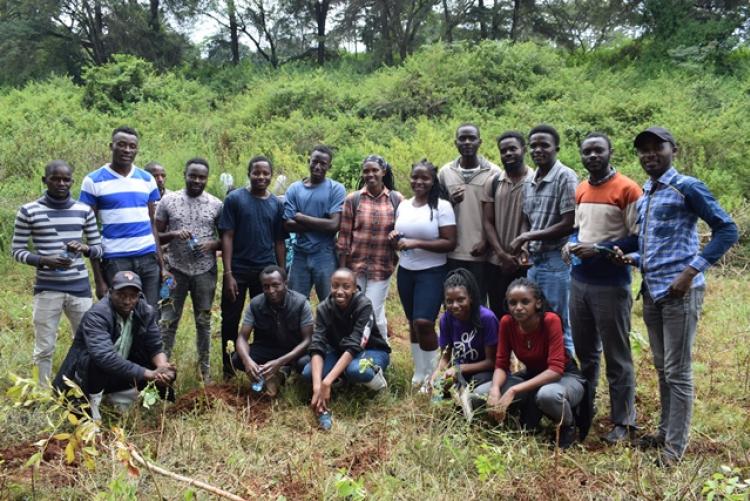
311, 269
552, 275
671, 324
146, 267
352, 373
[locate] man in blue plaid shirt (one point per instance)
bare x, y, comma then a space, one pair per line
672, 266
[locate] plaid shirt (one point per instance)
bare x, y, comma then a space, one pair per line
668, 241
363, 238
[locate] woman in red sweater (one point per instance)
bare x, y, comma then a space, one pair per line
550, 384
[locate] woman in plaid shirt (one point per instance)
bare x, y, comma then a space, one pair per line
367, 218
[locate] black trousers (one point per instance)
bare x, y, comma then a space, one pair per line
497, 286
231, 312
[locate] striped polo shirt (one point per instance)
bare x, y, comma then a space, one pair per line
50, 223
122, 205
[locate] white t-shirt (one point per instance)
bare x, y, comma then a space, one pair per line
414, 222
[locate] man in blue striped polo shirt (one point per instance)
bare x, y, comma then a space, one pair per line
124, 198
56, 225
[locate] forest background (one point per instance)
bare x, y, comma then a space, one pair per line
394, 78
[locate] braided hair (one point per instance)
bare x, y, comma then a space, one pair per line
388, 179
434, 194
536, 291
461, 277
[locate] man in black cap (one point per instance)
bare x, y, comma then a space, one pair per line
117, 347
672, 266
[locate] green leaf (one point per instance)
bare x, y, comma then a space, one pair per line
34, 460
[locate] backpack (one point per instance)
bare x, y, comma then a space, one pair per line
393, 196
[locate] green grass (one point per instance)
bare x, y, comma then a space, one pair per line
397, 445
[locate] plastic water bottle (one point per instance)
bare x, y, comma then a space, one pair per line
257, 386
166, 288
325, 420
194, 247
575, 260
227, 180
403, 251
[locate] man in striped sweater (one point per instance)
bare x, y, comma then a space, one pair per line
600, 297
56, 225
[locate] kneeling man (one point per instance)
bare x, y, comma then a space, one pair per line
117, 347
281, 322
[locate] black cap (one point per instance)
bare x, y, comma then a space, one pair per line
659, 132
124, 279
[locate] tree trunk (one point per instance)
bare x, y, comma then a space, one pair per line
514, 23
153, 19
321, 13
234, 39
387, 34
97, 37
448, 25
482, 22
495, 23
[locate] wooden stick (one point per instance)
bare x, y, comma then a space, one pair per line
181, 478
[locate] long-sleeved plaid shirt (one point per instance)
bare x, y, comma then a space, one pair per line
363, 238
668, 241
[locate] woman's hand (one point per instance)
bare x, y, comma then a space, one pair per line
321, 397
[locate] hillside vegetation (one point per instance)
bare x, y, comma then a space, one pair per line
398, 445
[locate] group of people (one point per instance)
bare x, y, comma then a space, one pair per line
529, 264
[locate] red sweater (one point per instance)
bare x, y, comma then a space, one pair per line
538, 350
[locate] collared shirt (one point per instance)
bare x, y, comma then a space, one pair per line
547, 200
468, 213
363, 237
122, 205
199, 215
668, 240
507, 200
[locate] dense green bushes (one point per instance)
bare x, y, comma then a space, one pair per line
404, 113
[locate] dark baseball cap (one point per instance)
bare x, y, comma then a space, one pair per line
660, 133
124, 279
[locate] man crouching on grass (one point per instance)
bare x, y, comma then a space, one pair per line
281, 323
346, 342
117, 348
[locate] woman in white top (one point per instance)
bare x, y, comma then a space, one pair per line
425, 232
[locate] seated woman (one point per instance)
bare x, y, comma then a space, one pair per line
551, 384
468, 338
346, 342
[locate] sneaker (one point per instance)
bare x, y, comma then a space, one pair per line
619, 434
653, 441
666, 459
567, 436
325, 421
